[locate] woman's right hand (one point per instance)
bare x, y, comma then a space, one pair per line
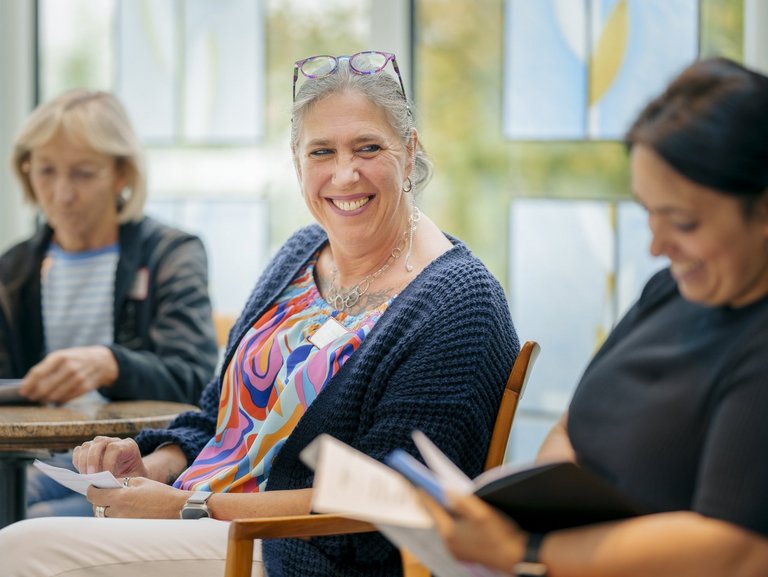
121, 457
475, 532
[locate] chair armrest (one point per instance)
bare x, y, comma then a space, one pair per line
242, 532
296, 526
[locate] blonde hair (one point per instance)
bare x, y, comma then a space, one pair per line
99, 120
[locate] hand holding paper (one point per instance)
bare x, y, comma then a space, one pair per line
77, 481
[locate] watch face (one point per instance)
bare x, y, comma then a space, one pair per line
191, 511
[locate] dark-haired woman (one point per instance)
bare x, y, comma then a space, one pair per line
672, 409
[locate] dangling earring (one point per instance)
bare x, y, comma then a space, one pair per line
408, 185
413, 222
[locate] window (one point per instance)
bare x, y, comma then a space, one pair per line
237, 190
569, 221
486, 189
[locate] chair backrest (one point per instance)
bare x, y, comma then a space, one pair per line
518, 378
223, 323
516, 382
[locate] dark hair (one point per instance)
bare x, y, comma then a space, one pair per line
711, 126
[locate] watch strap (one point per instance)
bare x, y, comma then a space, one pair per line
530, 566
196, 506
199, 497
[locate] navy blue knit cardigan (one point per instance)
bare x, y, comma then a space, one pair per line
436, 361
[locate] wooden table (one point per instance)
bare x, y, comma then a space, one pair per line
29, 431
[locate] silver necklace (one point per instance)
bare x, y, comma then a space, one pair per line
341, 301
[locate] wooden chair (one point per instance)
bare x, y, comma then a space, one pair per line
242, 532
222, 324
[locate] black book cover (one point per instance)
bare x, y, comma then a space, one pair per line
555, 496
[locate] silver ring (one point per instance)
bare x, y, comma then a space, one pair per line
126, 480
99, 511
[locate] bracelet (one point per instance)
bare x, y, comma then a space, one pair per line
530, 566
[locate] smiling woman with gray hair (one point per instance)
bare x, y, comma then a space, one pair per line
366, 327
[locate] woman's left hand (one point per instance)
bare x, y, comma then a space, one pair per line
475, 532
141, 499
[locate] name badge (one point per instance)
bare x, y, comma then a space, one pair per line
140, 287
328, 332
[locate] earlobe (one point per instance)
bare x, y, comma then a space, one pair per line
121, 183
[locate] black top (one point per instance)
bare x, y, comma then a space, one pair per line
672, 409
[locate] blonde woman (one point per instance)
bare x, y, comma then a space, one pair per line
101, 300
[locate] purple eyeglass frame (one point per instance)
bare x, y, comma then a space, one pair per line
388, 57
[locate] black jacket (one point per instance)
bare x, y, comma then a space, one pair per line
164, 343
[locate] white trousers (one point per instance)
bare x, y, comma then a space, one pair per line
90, 547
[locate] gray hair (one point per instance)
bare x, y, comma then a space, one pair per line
99, 120
383, 91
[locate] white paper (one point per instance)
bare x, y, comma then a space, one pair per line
76, 481
351, 483
427, 546
9, 390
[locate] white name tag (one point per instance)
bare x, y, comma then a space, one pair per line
140, 287
328, 332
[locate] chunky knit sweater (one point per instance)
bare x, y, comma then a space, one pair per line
436, 361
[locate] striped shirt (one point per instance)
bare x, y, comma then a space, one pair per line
78, 293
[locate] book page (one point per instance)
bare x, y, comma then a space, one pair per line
451, 477
427, 546
351, 483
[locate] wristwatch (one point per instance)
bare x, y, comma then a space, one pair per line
196, 506
530, 566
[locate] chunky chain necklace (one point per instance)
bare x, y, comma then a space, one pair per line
351, 297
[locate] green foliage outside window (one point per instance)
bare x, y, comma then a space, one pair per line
478, 172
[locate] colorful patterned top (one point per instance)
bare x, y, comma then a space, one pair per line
274, 375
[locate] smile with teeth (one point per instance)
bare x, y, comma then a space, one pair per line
350, 205
683, 269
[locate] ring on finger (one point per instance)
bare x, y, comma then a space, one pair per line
100, 511
126, 480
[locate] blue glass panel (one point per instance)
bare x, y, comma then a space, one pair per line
147, 70
636, 265
544, 69
561, 272
662, 39
224, 71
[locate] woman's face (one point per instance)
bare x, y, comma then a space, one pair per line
352, 167
77, 188
718, 256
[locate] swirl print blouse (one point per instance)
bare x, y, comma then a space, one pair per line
274, 375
